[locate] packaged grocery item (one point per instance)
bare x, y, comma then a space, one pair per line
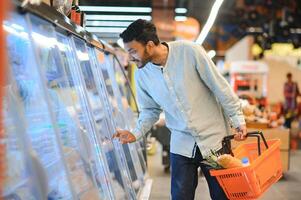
227, 161
245, 161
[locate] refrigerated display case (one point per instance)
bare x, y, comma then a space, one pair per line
112, 101
113, 149
73, 92
59, 116
125, 116
75, 147
35, 113
125, 93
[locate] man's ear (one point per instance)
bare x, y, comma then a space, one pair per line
150, 46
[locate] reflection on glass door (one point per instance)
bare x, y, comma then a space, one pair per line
21, 180
18, 175
112, 150
88, 145
40, 132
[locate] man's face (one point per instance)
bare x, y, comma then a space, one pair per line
139, 53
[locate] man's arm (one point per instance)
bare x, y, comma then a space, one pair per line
221, 89
149, 111
149, 114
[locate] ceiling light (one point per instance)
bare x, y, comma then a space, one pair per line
180, 18
217, 4
105, 29
108, 23
115, 9
180, 10
118, 17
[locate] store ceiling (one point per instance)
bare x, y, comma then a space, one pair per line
109, 26
273, 17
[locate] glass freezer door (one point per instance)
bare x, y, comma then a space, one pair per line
58, 92
39, 127
112, 151
73, 93
20, 181
113, 99
121, 88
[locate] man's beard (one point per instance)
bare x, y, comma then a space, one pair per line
146, 59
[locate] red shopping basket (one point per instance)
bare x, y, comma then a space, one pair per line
251, 181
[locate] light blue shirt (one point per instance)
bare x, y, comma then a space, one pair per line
198, 102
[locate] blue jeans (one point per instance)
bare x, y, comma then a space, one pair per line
184, 178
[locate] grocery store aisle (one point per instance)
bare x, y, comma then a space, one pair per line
288, 188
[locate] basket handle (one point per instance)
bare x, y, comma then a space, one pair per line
226, 143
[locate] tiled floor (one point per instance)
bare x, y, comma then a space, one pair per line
288, 188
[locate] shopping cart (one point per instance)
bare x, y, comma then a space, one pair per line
249, 182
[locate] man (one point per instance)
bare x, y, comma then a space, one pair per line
179, 78
291, 92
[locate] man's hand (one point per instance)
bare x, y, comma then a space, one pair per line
240, 133
124, 136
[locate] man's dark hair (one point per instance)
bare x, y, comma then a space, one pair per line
289, 75
142, 31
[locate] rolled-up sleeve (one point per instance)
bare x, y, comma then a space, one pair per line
218, 85
149, 110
